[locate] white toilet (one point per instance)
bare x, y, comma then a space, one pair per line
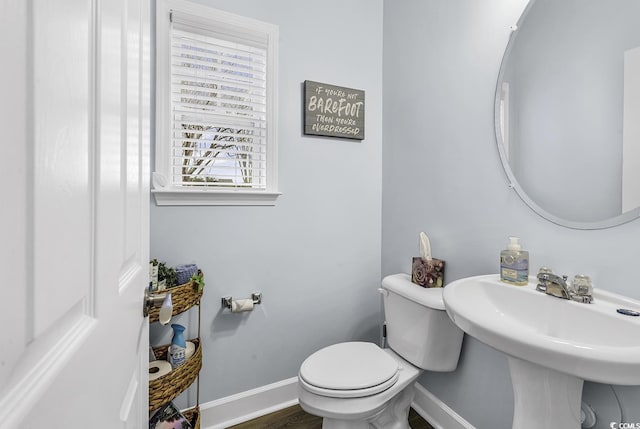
360, 385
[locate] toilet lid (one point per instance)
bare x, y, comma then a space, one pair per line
352, 369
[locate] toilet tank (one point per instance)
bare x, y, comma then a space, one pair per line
418, 328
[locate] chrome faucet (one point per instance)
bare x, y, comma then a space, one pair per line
557, 286
553, 285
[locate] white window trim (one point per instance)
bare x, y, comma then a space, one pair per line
174, 195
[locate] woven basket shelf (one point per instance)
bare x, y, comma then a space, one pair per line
193, 415
183, 297
168, 387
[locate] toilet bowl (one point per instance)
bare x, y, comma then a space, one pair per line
377, 386
358, 385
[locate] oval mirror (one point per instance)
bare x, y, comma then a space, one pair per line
567, 111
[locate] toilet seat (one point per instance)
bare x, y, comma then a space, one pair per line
349, 370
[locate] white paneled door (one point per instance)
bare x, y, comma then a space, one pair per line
74, 213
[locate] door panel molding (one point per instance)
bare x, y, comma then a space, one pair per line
41, 363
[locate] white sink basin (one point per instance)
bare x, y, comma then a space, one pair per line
549, 341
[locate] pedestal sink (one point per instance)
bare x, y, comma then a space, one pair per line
552, 344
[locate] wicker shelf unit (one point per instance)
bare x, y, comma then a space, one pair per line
168, 387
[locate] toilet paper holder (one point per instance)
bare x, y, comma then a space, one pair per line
256, 297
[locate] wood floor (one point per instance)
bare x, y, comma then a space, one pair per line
295, 417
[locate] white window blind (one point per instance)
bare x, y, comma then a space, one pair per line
218, 106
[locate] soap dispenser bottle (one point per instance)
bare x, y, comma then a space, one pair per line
514, 263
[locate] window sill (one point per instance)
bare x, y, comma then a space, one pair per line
202, 197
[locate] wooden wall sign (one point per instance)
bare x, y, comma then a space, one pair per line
333, 111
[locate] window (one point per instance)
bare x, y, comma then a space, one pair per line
216, 105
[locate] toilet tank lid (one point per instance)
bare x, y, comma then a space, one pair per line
402, 285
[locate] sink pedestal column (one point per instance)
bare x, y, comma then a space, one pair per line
543, 397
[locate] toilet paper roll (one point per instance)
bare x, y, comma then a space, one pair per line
158, 368
241, 305
191, 348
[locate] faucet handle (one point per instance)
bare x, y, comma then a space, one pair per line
582, 288
582, 285
545, 270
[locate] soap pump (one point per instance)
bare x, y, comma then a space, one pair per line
514, 263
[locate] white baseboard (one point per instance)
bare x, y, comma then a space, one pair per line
244, 406
437, 412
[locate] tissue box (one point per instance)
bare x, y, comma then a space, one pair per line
427, 272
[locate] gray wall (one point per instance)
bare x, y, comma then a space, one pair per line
442, 175
315, 255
